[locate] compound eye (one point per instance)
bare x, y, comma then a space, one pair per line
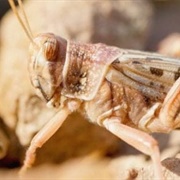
51, 48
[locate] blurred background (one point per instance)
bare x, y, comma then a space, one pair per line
165, 20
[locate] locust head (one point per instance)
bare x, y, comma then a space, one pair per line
47, 57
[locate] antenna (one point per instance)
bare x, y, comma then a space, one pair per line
25, 25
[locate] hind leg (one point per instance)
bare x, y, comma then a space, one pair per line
164, 117
170, 111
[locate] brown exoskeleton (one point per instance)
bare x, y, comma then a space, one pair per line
128, 92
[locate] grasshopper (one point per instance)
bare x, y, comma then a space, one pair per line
130, 93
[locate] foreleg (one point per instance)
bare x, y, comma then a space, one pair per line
47, 132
